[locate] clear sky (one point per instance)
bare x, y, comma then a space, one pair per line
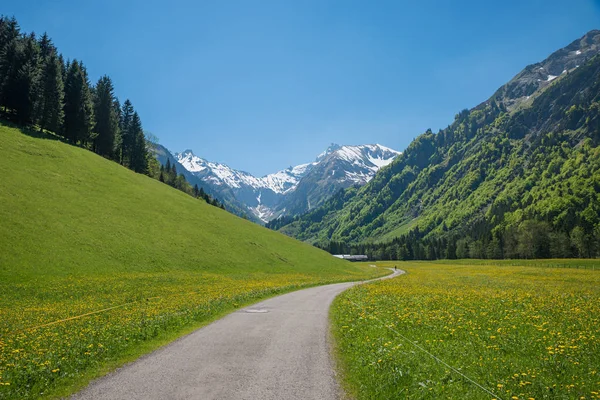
262, 85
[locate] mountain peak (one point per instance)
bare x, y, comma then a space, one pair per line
272, 195
529, 82
332, 147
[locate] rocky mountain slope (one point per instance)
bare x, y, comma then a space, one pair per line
524, 164
291, 191
162, 154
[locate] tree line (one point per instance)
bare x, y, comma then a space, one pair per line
529, 240
39, 88
168, 174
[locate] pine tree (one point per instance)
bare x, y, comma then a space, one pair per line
126, 138
65, 67
139, 153
79, 116
46, 46
10, 63
9, 46
19, 76
196, 190
27, 85
118, 137
51, 102
9, 31
106, 119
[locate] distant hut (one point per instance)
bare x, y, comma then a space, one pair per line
358, 257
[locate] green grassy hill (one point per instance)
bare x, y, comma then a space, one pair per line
79, 234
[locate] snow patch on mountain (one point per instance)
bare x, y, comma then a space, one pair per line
265, 196
221, 174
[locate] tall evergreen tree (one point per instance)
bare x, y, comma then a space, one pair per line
9, 34
106, 118
9, 31
19, 75
46, 46
23, 90
52, 93
126, 138
118, 137
139, 153
79, 111
11, 61
65, 67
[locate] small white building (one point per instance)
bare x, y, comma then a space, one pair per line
349, 257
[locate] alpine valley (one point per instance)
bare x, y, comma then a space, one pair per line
289, 192
517, 176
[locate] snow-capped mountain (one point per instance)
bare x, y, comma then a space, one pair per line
221, 174
339, 167
293, 190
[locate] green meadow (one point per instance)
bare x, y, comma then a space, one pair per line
466, 330
99, 265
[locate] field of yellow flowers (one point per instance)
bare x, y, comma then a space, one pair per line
43, 352
471, 332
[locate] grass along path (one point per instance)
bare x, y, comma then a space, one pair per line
81, 234
518, 332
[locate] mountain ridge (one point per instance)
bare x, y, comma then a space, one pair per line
519, 159
270, 196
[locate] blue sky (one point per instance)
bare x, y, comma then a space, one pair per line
262, 85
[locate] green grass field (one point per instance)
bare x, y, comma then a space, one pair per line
576, 263
519, 332
80, 234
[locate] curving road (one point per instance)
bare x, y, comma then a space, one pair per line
276, 349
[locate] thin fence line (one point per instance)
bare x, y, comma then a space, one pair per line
430, 354
98, 312
79, 316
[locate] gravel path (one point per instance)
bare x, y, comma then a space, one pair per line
276, 349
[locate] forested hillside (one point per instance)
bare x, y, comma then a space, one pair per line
517, 176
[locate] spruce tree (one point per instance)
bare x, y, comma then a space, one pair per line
79, 112
106, 119
51, 102
118, 137
126, 138
9, 47
139, 154
10, 63
9, 31
64, 67
87, 105
26, 89
46, 46
174, 170
19, 76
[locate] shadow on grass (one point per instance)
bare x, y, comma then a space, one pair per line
32, 132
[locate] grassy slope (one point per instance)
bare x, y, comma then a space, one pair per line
519, 331
65, 210
80, 233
